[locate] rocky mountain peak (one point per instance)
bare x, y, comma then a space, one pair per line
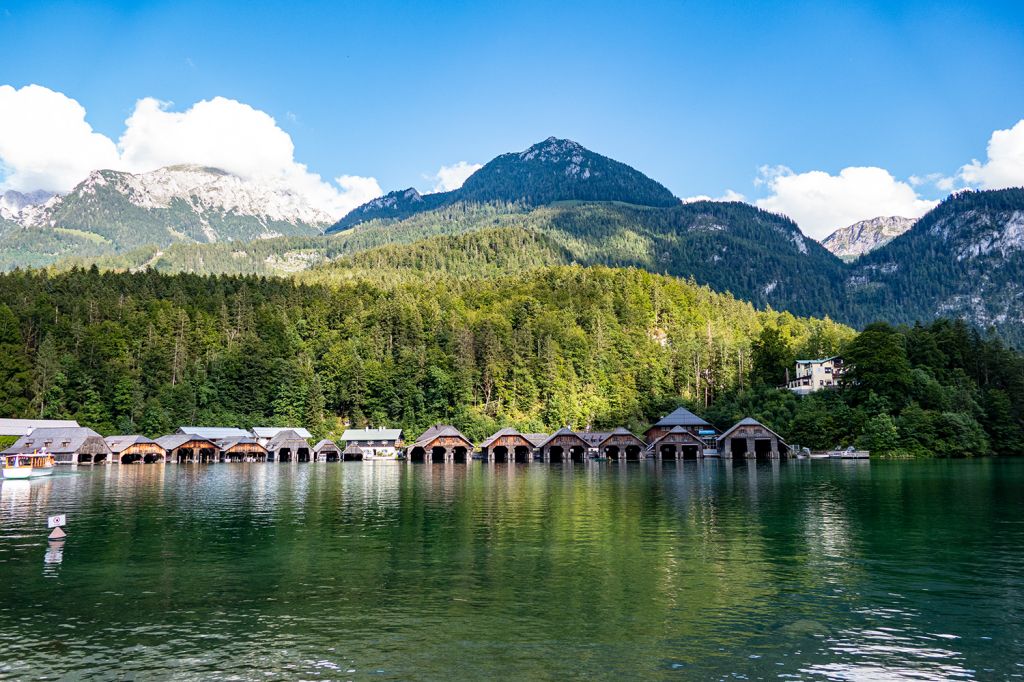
853, 241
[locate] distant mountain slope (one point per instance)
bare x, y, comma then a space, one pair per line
112, 211
965, 259
853, 241
549, 171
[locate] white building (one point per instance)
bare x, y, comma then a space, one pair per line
375, 442
265, 434
816, 375
23, 427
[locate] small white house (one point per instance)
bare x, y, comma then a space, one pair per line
375, 442
816, 375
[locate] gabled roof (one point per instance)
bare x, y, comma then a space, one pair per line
176, 440
120, 443
23, 427
621, 431
565, 431
371, 434
536, 438
816, 362
228, 443
326, 444
287, 439
272, 431
215, 432
681, 417
57, 441
749, 421
674, 430
353, 450
438, 430
509, 431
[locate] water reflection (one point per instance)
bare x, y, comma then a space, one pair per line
710, 569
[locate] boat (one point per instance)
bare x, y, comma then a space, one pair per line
28, 466
42, 463
849, 453
17, 466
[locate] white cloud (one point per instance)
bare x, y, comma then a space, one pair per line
45, 143
821, 203
1005, 164
730, 195
451, 177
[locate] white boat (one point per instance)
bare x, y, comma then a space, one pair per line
17, 466
28, 466
849, 453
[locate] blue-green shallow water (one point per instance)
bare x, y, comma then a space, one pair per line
812, 570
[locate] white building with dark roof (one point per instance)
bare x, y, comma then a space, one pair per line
382, 443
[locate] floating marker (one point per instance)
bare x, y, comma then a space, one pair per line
56, 522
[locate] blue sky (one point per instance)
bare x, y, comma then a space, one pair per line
698, 95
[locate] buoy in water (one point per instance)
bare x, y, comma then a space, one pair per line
57, 534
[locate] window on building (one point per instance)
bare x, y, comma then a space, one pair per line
828, 370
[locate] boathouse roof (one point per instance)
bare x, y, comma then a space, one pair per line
272, 431
748, 421
287, 438
564, 432
508, 431
623, 431
326, 444
176, 440
60, 441
594, 438
215, 432
437, 431
119, 444
23, 427
536, 438
681, 417
371, 434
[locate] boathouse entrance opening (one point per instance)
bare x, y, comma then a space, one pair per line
303, 454
632, 453
556, 453
284, 455
577, 453
738, 446
668, 451
500, 454
459, 453
690, 452
437, 453
522, 454
152, 457
130, 458
763, 447
418, 454
612, 452
84, 458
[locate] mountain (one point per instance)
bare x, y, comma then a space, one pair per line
853, 241
965, 259
549, 171
15, 206
112, 211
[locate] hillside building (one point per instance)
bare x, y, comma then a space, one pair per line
816, 375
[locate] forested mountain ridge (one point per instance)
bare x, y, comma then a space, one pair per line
146, 352
964, 259
549, 171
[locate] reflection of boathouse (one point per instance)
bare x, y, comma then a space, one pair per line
750, 438
441, 443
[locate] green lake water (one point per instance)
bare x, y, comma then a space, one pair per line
697, 570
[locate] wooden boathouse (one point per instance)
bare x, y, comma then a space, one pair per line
70, 446
678, 443
326, 451
353, 453
242, 449
564, 444
681, 417
134, 449
441, 443
265, 434
751, 439
184, 448
288, 446
508, 445
622, 444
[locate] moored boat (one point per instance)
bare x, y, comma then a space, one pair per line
42, 463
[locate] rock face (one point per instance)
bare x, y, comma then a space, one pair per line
549, 171
853, 241
112, 211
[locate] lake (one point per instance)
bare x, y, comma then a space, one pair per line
691, 570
